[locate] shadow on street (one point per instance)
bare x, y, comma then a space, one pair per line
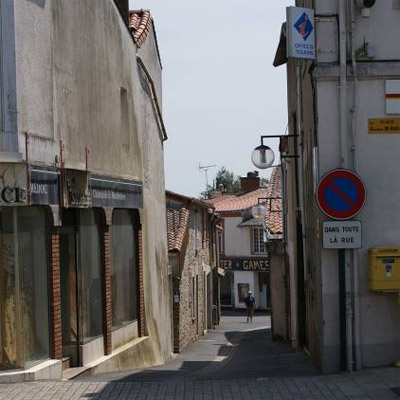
234, 350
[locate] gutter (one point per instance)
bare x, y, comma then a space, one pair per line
155, 102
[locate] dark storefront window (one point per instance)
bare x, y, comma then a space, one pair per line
91, 302
124, 268
226, 289
24, 330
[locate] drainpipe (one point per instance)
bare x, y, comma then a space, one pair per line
356, 267
300, 173
344, 153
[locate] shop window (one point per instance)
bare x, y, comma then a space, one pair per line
258, 245
24, 325
91, 301
221, 243
124, 267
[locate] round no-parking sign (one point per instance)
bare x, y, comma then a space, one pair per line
341, 194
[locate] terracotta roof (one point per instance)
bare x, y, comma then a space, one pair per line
140, 24
238, 202
273, 215
177, 222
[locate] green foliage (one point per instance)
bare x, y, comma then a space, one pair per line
264, 182
226, 181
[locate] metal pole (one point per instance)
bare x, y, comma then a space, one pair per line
342, 309
346, 311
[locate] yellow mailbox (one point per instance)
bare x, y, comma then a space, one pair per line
384, 269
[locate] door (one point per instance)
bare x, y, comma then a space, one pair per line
69, 296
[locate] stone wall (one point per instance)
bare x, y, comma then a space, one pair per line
192, 312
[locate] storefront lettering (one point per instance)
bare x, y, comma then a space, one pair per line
108, 194
245, 264
255, 265
39, 188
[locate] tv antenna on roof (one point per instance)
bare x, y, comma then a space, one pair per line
205, 168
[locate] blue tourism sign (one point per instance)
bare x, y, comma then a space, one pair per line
300, 33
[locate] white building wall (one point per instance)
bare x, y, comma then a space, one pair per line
374, 160
377, 318
237, 240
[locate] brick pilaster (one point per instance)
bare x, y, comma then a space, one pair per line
107, 291
142, 311
55, 296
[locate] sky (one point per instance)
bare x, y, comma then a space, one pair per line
220, 90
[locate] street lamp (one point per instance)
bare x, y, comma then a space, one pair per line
263, 157
258, 211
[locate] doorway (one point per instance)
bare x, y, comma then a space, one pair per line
69, 295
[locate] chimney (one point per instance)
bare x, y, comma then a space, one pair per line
250, 182
123, 7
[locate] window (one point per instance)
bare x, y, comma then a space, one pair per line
196, 230
91, 283
124, 268
192, 298
23, 266
220, 243
125, 119
258, 241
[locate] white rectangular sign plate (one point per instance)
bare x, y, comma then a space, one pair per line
341, 234
392, 94
300, 33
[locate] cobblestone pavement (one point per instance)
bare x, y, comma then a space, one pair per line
236, 361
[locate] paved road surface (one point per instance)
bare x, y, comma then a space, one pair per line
236, 361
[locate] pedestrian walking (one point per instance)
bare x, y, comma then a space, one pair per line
250, 302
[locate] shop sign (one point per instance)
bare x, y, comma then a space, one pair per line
384, 126
76, 193
245, 264
116, 193
341, 234
44, 186
300, 33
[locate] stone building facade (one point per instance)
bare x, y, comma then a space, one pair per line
193, 257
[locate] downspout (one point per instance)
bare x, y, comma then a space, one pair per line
300, 179
344, 153
356, 267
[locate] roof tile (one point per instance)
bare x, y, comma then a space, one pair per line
273, 216
140, 24
238, 202
177, 222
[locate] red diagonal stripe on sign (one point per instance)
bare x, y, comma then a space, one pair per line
340, 194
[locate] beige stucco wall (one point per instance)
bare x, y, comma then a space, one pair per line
73, 58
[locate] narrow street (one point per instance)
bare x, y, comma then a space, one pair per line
238, 360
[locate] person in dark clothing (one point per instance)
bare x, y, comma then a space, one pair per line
250, 302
